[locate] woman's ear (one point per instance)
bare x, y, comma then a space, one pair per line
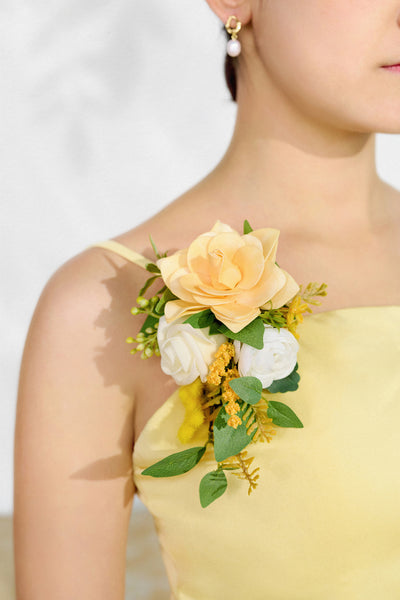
241, 9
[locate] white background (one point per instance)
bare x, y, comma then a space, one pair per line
109, 110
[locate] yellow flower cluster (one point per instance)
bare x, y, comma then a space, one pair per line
234, 421
194, 420
295, 314
222, 358
230, 397
218, 370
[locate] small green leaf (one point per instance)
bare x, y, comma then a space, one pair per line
154, 247
286, 384
152, 268
252, 334
247, 388
166, 297
161, 290
212, 486
282, 415
247, 228
201, 319
177, 463
149, 322
229, 441
148, 284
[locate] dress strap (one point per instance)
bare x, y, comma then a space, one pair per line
123, 251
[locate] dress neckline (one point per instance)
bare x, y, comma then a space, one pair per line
320, 315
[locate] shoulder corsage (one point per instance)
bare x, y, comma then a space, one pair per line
224, 323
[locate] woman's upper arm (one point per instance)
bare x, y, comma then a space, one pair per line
73, 487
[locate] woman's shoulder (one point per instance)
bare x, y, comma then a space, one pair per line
97, 275
90, 295
173, 227
87, 302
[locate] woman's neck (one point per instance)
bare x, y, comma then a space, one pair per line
334, 188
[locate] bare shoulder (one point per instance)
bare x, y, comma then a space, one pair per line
74, 431
91, 295
76, 343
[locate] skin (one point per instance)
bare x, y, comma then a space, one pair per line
311, 95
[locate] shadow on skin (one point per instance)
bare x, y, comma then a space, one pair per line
118, 367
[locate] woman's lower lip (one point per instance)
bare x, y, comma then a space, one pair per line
393, 68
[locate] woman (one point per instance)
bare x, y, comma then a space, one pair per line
313, 86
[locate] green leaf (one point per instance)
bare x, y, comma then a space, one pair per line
286, 384
148, 284
154, 247
166, 297
252, 334
149, 322
247, 228
153, 268
201, 319
227, 440
177, 463
212, 486
161, 290
247, 388
214, 327
282, 415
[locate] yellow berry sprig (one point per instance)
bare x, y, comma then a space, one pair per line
146, 339
146, 342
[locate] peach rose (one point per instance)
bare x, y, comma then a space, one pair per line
233, 275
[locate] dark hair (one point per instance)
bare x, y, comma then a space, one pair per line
230, 71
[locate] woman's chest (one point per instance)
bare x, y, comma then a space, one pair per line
362, 272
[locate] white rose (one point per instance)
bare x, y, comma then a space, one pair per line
275, 360
186, 352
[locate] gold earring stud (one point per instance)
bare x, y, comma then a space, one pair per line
233, 26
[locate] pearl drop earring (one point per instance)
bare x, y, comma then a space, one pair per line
233, 47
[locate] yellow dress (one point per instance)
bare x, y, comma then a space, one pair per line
324, 521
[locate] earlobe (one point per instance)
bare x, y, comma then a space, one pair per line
225, 8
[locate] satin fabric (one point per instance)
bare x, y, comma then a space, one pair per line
324, 521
